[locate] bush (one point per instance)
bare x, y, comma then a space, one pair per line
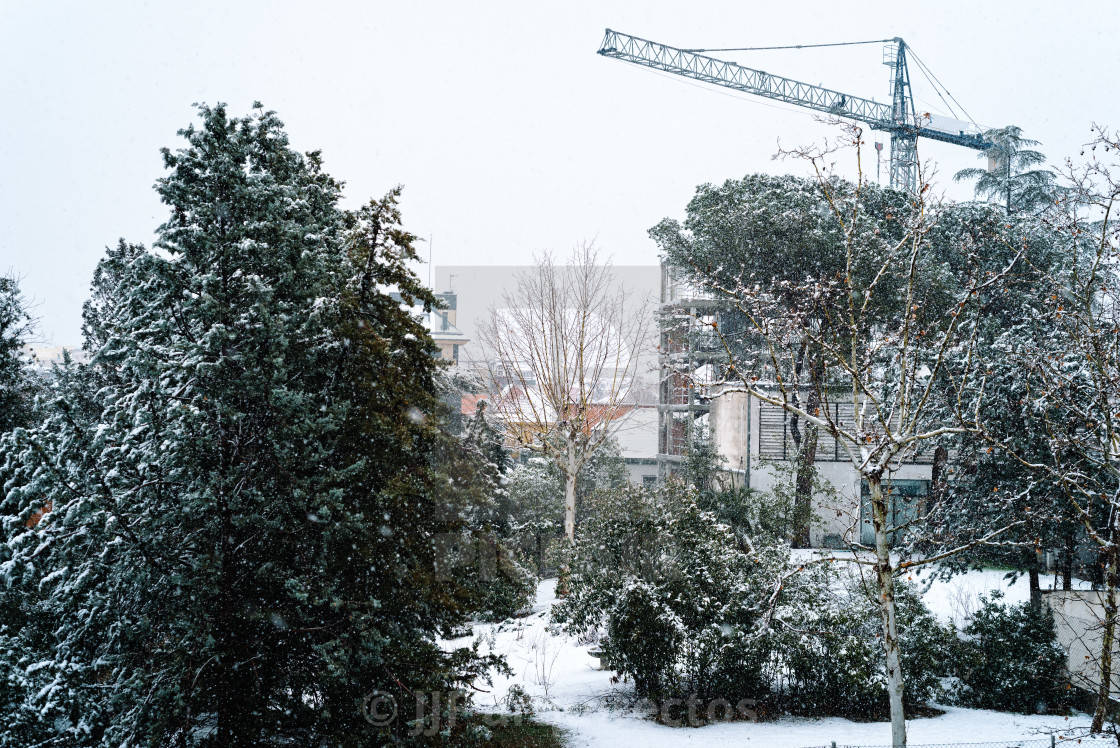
644, 639
689, 607
494, 584
508, 595
677, 595
830, 665
1010, 660
928, 646
831, 656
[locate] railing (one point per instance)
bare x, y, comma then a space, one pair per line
1051, 741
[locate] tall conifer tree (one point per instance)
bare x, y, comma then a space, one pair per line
241, 545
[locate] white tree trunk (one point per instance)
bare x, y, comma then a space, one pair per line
571, 472
885, 576
1108, 639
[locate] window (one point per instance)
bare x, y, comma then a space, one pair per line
649, 481
775, 439
906, 499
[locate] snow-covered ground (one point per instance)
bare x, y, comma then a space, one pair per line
569, 691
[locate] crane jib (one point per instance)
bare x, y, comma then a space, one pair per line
878, 116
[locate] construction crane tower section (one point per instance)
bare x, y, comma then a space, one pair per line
898, 118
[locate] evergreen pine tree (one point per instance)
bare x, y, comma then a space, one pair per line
1010, 177
15, 381
989, 487
18, 386
242, 541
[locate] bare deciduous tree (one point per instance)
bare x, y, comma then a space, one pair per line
563, 353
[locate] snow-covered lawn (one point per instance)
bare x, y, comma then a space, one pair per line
569, 691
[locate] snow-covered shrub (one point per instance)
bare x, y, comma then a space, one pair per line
689, 607
927, 645
1009, 659
829, 663
506, 588
679, 597
829, 659
536, 510
644, 637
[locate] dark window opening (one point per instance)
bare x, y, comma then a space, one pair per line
906, 503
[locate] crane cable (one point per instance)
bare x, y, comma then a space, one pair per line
792, 46
931, 78
938, 86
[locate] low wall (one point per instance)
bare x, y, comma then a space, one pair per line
1079, 621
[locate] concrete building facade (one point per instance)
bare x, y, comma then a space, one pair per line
754, 437
1079, 623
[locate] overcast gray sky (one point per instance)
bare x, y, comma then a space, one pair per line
510, 134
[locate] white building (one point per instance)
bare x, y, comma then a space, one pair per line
752, 436
479, 289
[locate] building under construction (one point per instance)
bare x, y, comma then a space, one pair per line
754, 438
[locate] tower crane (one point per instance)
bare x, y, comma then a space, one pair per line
897, 118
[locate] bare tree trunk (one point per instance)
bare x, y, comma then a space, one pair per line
885, 577
1108, 639
939, 476
805, 445
803, 490
1032, 566
570, 475
540, 553
1067, 565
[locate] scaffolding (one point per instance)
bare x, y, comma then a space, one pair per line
687, 350
692, 355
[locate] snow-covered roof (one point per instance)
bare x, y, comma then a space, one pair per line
435, 322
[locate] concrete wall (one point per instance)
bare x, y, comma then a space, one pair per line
637, 433
735, 437
1078, 617
732, 429
641, 471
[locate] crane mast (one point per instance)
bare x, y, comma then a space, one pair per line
904, 141
897, 118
